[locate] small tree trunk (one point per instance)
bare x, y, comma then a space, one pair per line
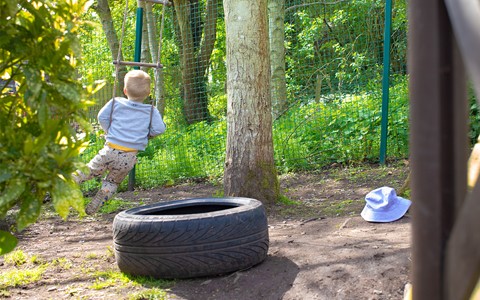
104, 13
318, 88
195, 55
145, 55
249, 167
153, 38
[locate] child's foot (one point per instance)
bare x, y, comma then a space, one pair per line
96, 203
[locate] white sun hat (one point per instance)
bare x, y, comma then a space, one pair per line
383, 205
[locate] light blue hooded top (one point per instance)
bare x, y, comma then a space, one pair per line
130, 123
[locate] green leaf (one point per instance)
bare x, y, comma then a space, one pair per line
60, 197
7, 242
76, 200
66, 194
4, 175
13, 190
28, 146
29, 211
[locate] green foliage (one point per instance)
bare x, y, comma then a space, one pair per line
345, 129
474, 132
334, 63
39, 55
200, 148
338, 46
350, 133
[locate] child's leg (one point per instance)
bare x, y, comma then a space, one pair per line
96, 167
121, 163
102, 196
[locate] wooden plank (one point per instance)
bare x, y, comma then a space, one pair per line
462, 257
164, 2
137, 64
465, 16
434, 124
463, 249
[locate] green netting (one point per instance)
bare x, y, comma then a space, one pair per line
326, 98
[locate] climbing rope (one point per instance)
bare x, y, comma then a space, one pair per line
117, 65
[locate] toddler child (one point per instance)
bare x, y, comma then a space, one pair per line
128, 124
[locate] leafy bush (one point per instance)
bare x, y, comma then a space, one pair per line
40, 98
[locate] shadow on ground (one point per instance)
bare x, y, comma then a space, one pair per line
269, 280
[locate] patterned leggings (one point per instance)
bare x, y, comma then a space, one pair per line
117, 163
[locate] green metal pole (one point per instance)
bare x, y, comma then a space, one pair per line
385, 81
137, 58
138, 36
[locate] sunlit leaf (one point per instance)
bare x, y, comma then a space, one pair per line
66, 194
7, 242
61, 197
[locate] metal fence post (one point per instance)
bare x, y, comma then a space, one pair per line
137, 58
385, 81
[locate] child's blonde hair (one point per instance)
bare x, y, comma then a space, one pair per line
137, 85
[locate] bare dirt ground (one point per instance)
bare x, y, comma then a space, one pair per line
320, 247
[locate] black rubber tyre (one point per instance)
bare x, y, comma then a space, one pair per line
191, 238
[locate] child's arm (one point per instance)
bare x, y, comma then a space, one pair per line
104, 116
158, 126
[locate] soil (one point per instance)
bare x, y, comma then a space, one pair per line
320, 247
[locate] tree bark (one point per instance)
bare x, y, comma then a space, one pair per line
249, 167
276, 13
195, 56
154, 43
145, 55
104, 13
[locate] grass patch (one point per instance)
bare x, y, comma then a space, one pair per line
110, 253
360, 173
340, 208
150, 294
62, 263
91, 256
16, 258
25, 269
105, 279
15, 277
116, 204
287, 201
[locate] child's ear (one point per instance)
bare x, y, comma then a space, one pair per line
125, 91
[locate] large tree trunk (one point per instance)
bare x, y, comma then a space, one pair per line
195, 56
103, 10
276, 12
249, 167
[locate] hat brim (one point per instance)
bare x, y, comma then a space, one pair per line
395, 212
